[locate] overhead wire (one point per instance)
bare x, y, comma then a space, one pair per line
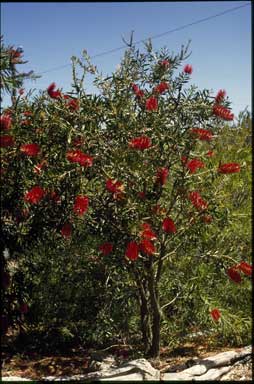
152, 37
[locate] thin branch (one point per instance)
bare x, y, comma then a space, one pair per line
171, 302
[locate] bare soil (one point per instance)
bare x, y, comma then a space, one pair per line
34, 366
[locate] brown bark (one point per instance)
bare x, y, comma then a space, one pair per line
156, 314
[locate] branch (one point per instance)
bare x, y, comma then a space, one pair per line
171, 302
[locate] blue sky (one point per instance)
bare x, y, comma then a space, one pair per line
51, 33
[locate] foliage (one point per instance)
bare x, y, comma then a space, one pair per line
118, 190
10, 78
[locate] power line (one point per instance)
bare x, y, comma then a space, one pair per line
154, 36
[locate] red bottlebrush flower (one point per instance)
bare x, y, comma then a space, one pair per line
222, 112
21, 91
79, 157
207, 219
142, 195
114, 186
25, 122
34, 195
66, 230
138, 92
23, 308
215, 313
229, 168
151, 104
55, 197
30, 149
164, 63
202, 134
147, 232
141, 143
38, 168
188, 69
184, 159
245, 268
4, 324
81, 205
157, 210
197, 200
78, 141
28, 113
162, 87
147, 247
5, 280
5, 122
52, 93
234, 275
132, 251
106, 248
210, 154
73, 104
220, 96
168, 225
161, 176
25, 213
6, 141
194, 164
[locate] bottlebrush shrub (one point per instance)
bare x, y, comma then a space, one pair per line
128, 142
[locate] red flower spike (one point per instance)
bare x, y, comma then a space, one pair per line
5, 122
210, 154
202, 134
142, 195
161, 88
158, 210
194, 164
220, 96
207, 219
28, 113
147, 247
141, 143
164, 63
234, 275
73, 104
78, 141
138, 92
222, 112
55, 197
79, 157
52, 93
23, 308
197, 200
215, 313
132, 251
106, 248
66, 230
161, 176
168, 225
21, 91
147, 232
151, 104
6, 280
245, 268
30, 149
114, 186
81, 205
188, 69
35, 195
229, 168
38, 168
6, 141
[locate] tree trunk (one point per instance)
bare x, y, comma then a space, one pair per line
145, 320
156, 316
